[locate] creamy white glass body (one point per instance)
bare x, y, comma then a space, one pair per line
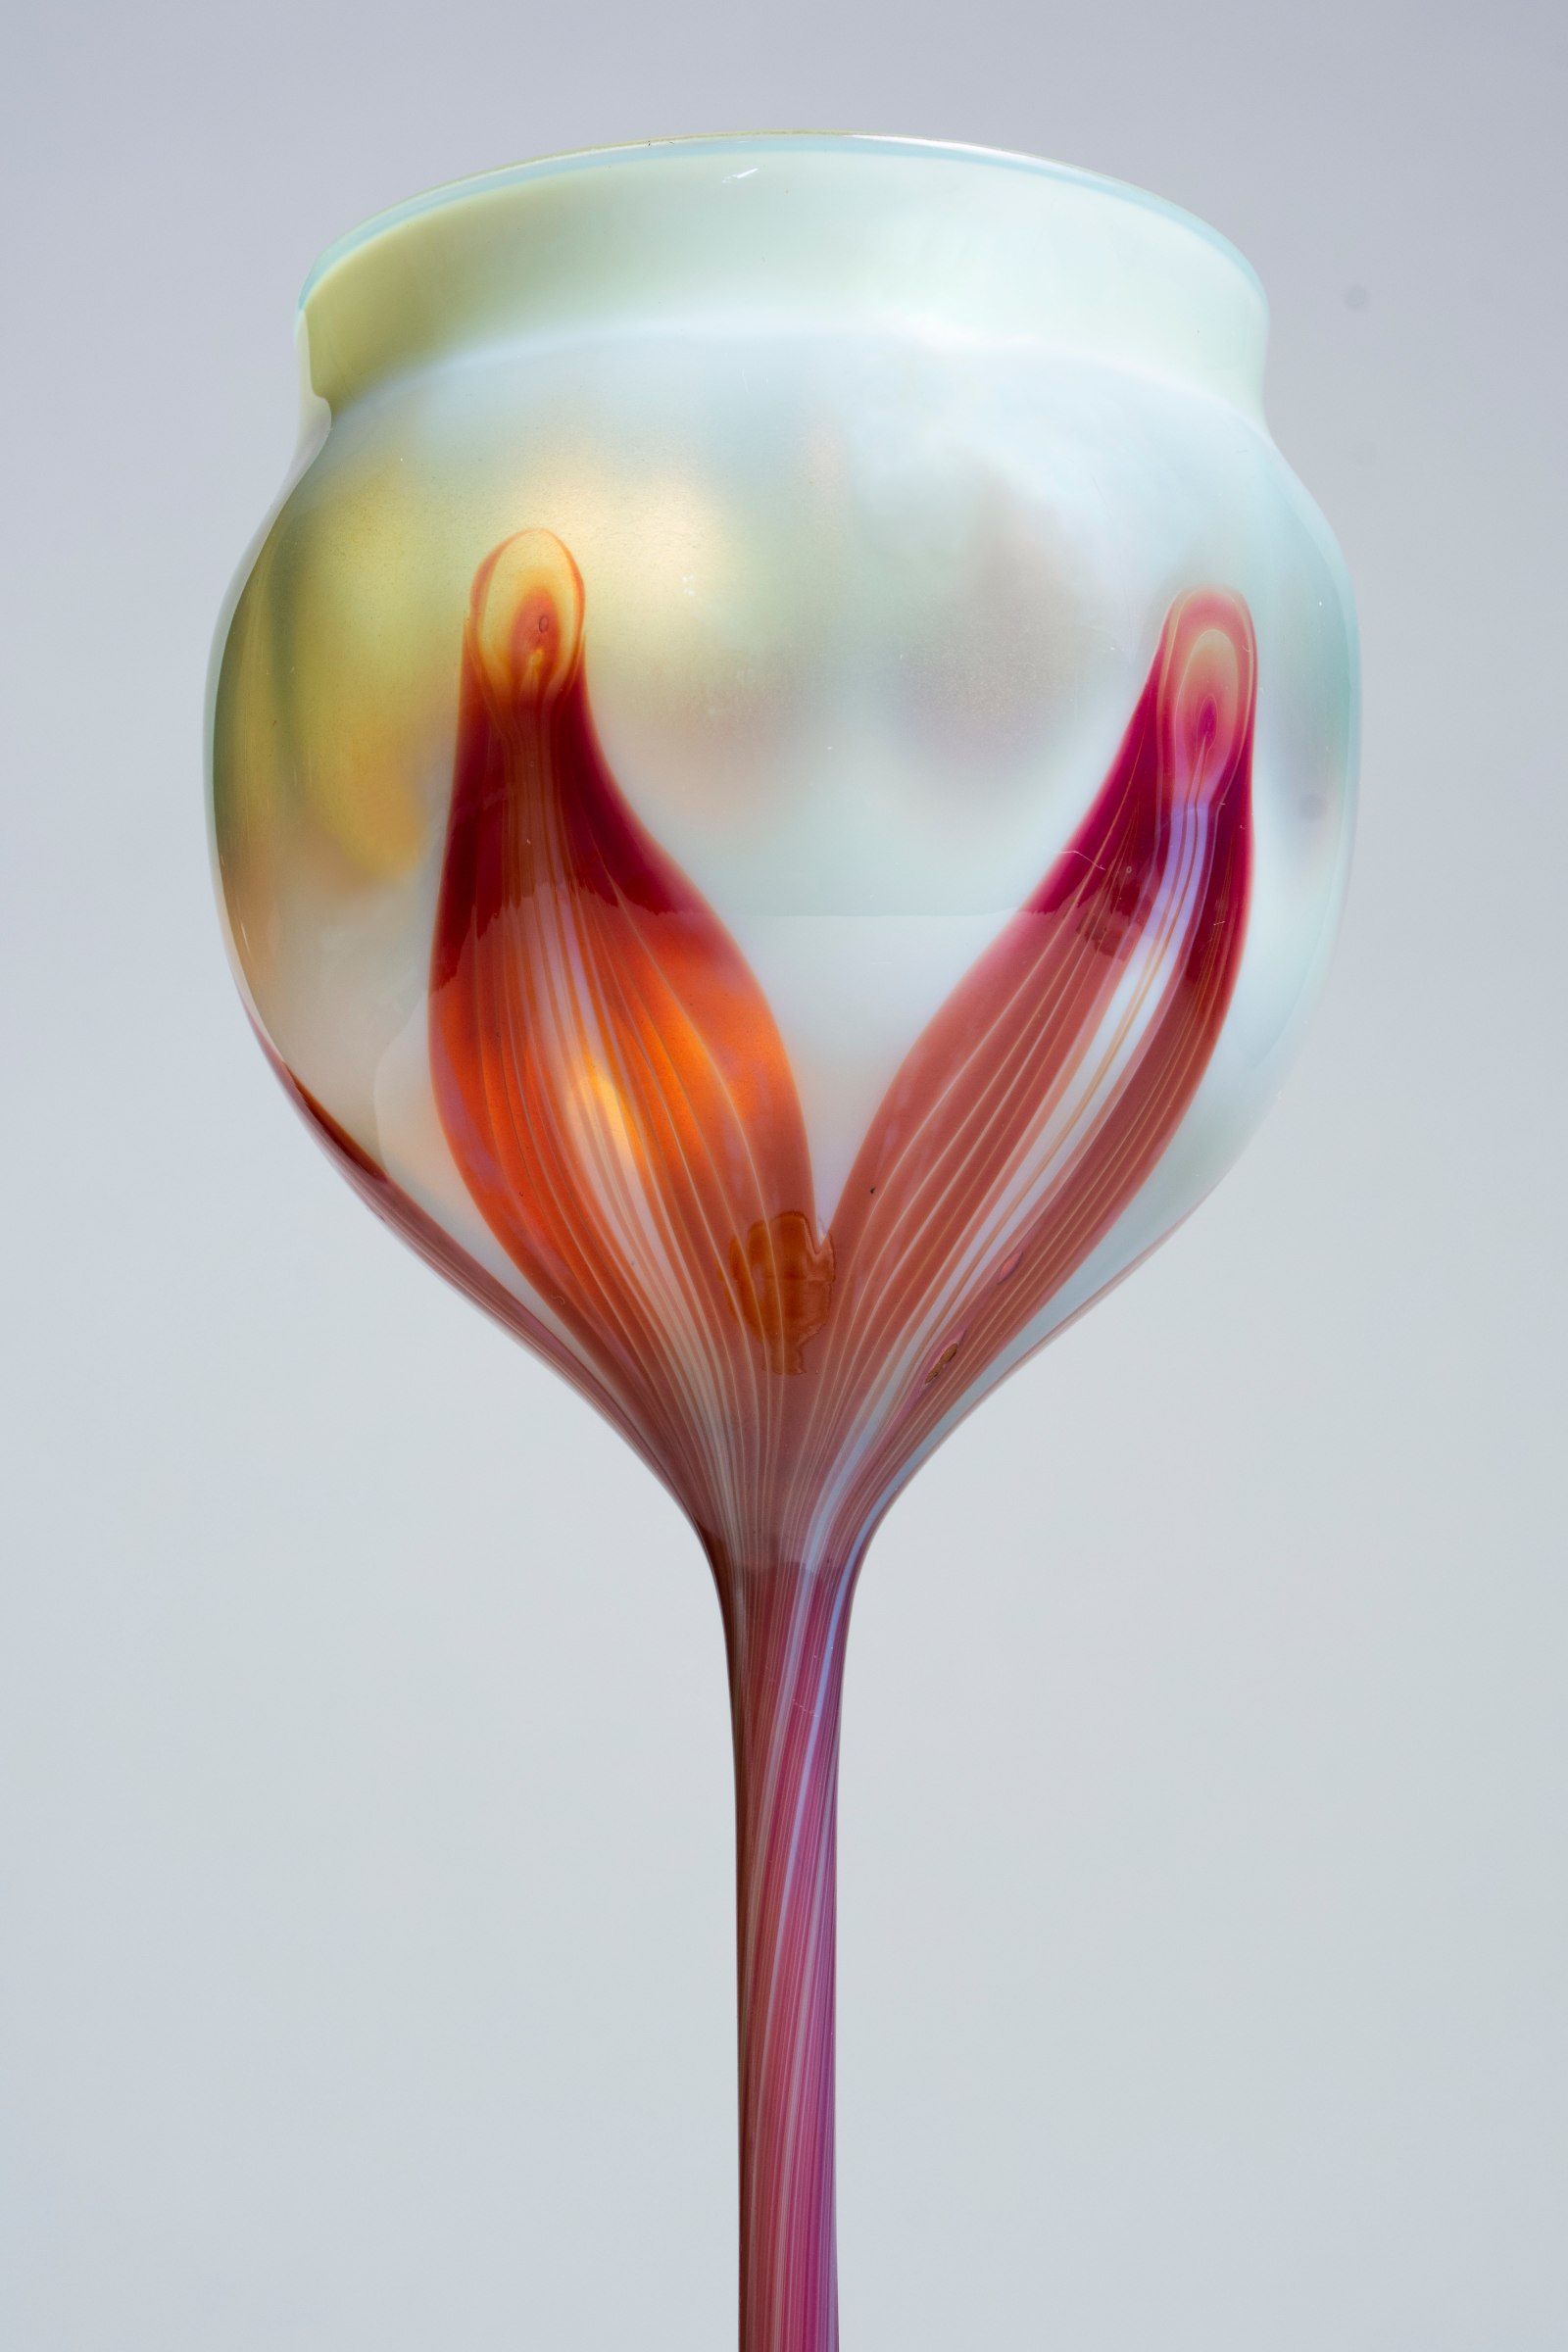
882, 465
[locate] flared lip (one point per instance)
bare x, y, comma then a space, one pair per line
799, 142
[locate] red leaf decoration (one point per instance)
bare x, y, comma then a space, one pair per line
1041, 1097
611, 1079
618, 1098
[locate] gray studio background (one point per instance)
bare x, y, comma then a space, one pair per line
365, 1950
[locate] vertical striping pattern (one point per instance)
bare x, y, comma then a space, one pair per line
785, 1634
608, 1073
1046, 1087
616, 1096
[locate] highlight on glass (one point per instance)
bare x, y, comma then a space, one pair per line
781, 787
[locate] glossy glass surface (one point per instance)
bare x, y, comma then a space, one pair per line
781, 785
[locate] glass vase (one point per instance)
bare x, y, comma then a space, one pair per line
781, 783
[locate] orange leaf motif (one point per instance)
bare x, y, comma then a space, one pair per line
618, 1099
611, 1081
616, 1094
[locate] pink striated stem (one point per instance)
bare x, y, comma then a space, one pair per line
785, 1628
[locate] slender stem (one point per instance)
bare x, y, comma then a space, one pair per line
785, 1628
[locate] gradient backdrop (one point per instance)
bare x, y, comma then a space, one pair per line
366, 1943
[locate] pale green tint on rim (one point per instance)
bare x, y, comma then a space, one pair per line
573, 158
969, 239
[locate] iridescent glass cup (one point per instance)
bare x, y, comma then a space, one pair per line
781, 789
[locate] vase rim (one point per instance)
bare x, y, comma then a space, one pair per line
628, 151
1075, 256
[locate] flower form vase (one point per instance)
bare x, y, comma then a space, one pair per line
781, 783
